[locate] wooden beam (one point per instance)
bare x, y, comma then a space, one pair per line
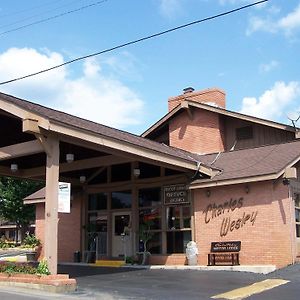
30, 126
51, 206
98, 172
88, 163
43, 142
22, 149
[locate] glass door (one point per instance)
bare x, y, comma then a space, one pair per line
121, 235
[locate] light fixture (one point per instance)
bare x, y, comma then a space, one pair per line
136, 172
208, 193
247, 189
70, 157
82, 179
14, 168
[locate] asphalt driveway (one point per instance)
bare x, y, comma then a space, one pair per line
129, 283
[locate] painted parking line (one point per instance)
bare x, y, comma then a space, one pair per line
252, 289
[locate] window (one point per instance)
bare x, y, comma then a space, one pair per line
244, 133
97, 201
149, 197
297, 214
150, 212
121, 172
178, 217
178, 228
121, 199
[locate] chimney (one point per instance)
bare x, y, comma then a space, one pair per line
211, 96
188, 90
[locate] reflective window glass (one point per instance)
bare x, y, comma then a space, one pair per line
121, 199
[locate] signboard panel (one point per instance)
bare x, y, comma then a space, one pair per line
64, 197
176, 194
234, 246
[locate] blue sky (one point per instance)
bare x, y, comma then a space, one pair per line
253, 55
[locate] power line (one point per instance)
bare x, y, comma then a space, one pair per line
39, 14
28, 9
136, 41
54, 17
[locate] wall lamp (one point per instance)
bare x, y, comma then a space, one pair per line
208, 193
14, 168
70, 157
82, 179
136, 172
247, 189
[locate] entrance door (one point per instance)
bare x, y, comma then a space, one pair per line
97, 236
121, 235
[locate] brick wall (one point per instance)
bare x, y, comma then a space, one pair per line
68, 230
267, 237
213, 96
203, 133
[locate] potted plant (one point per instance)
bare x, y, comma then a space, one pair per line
145, 236
31, 242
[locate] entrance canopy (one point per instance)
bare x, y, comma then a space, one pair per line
26, 126
39, 143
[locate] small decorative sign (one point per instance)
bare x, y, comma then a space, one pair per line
234, 246
176, 194
64, 197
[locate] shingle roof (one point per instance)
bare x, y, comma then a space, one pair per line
70, 120
246, 163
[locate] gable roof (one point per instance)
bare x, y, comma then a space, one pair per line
262, 163
186, 104
60, 122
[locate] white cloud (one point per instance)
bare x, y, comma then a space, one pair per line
273, 102
92, 95
287, 24
170, 8
265, 68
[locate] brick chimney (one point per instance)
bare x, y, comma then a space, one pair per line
212, 96
203, 131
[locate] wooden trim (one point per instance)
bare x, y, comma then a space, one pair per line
126, 147
21, 149
202, 184
187, 103
78, 165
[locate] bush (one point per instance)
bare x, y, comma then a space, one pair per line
31, 241
10, 268
43, 268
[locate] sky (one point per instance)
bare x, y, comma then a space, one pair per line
253, 55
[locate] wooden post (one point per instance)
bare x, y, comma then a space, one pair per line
51, 204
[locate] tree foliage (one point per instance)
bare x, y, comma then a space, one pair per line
12, 193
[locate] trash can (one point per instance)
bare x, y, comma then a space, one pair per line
191, 253
77, 256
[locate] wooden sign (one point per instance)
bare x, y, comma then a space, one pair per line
176, 194
234, 246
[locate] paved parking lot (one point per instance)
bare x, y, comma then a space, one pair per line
128, 283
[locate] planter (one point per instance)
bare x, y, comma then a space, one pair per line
53, 283
31, 256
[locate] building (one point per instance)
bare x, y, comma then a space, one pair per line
200, 173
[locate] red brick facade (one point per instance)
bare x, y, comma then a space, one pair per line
69, 227
261, 219
203, 133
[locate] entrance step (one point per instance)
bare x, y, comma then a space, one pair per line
109, 263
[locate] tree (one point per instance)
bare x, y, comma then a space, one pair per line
12, 208
145, 236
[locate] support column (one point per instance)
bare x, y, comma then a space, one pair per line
51, 204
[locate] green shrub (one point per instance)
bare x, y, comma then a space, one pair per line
10, 268
31, 241
43, 268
